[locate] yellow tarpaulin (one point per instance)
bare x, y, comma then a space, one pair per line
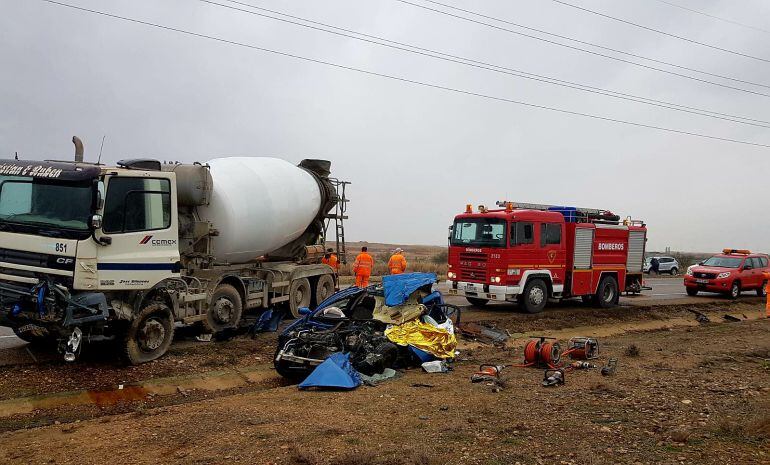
426, 337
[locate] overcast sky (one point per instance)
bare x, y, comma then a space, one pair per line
416, 155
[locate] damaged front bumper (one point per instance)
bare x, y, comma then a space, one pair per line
48, 312
484, 291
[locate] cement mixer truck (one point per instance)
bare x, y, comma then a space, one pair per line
126, 253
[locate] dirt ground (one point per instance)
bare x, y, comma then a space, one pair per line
684, 392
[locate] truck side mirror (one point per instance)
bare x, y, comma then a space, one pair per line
96, 221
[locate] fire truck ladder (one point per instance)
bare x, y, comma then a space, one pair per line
338, 217
590, 215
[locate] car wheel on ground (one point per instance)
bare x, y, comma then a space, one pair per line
150, 334
477, 302
674, 271
735, 290
692, 292
762, 291
607, 294
535, 296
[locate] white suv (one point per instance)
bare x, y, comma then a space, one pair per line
665, 265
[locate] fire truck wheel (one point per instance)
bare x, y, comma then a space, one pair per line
323, 288
150, 334
299, 295
692, 291
225, 309
762, 291
735, 290
607, 294
535, 296
476, 302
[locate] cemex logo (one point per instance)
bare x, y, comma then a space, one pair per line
157, 242
145, 240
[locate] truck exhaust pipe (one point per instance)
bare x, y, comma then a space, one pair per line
78, 149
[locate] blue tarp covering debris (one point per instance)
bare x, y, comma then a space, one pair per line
399, 287
335, 372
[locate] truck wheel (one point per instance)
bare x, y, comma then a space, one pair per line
476, 302
150, 334
224, 310
735, 290
299, 295
535, 296
607, 294
692, 291
323, 288
762, 291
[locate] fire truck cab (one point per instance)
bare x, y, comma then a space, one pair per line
529, 253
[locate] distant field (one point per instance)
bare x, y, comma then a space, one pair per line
422, 258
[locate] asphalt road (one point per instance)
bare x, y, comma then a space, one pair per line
664, 290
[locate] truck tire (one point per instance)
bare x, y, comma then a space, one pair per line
607, 295
323, 288
535, 296
299, 295
692, 291
762, 291
477, 302
224, 310
150, 334
735, 290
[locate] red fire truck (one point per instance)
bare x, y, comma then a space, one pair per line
531, 252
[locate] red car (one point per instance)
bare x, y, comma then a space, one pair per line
729, 273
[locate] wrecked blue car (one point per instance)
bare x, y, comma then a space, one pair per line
353, 321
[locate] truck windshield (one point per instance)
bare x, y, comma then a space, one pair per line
480, 232
27, 203
723, 262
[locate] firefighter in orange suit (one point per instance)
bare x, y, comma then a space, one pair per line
330, 258
397, 262
767, 291
362, 268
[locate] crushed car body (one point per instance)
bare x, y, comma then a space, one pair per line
399, 324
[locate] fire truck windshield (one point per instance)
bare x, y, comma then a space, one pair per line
60, 208
479, 232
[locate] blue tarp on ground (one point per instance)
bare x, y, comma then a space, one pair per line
335, 372
399, 287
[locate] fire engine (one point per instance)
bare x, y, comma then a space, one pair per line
531, 252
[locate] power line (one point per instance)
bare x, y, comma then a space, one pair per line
686, 39
402, 79
766, 31
486, 66
592, 45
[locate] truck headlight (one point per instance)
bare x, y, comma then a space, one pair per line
495, 279
451, 275
724, 275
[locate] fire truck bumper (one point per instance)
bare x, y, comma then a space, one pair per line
483, 291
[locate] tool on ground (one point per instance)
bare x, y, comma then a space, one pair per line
610, 368
553, 377
582, 348
541, 353
581, 365
486, 373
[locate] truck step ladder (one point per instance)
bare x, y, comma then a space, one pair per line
338, 217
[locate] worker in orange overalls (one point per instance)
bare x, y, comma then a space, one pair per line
362, 267
330, 258
397, 262
767, 291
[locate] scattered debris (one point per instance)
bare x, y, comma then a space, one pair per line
336, 372
435, 366
482, 333
487, 373
421, 385
553, 377
610, 368
731, 318
699, 317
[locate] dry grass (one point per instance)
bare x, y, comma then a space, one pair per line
632, 350
751, 429
420, 258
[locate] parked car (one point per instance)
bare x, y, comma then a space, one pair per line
730, 272
666, 265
